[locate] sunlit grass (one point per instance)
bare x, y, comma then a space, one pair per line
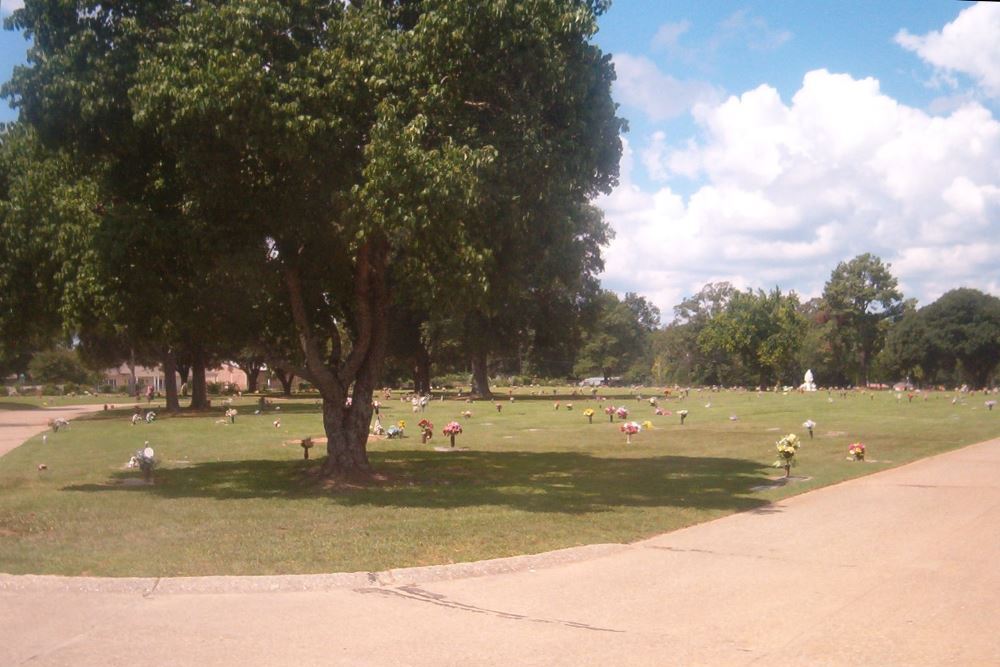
239, 499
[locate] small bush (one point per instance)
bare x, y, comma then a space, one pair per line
51, 390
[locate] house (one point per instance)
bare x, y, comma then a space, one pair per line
121, 377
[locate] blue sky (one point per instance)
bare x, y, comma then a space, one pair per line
770, 140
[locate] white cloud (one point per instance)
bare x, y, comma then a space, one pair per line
752, 30
970, 45
7, 6
642, 85
785, 190
668, 35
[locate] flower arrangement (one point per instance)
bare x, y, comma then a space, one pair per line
467, 414
589, 414
629, 429
809, 425
648, 425
610, 412
652, 401
683, 414
990, 405
136, 419
145, 460
658, 412
231, 414
499, 406
569, 406
426, 430
622, 413
787, 447
856, 451
557, 405
401, 424
451, 430
394, 432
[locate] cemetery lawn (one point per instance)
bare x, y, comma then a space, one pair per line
240, 499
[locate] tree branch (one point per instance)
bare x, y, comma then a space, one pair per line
325, 380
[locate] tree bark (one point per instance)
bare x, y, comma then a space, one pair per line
480, 375
170, 381
199, 389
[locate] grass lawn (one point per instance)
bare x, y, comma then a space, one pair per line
234, 499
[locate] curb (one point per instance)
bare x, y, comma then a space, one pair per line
297, 583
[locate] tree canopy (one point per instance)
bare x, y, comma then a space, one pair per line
342, 150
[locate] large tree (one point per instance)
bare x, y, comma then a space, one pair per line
677, 357
353, 146
762, 331
860, 299
963, 328
615, 340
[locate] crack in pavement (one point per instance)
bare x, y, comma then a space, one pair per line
418, 594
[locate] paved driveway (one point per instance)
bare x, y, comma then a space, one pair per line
16, 426
898, 568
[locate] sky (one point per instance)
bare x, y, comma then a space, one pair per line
768, 141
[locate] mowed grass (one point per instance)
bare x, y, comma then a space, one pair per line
235, 499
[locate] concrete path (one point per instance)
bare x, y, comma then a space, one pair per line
898, 568
16, 426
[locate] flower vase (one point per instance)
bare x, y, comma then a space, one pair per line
788, 470
810, 434
682, 419
452, 436
628, 438
611, 418
423, 437
590, 419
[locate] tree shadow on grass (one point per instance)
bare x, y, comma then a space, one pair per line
560, 482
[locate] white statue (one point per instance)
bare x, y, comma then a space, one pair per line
808, 384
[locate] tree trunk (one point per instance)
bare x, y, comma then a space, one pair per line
133, 386
285, 380
199, 389
333, 371
170, 381
422, 371
252, 369
184, 370
346, 446
480, 375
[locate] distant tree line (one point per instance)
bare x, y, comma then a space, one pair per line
859, 331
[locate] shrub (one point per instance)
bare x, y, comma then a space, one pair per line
59, 365
51, 390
